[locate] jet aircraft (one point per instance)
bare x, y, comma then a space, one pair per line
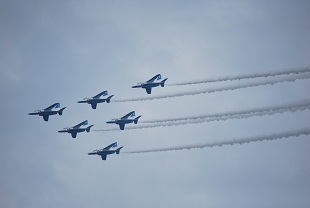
97, 99
77, 129
51, 110
106, 151
125, 120
151, 83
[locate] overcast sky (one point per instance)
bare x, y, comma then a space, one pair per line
63, 51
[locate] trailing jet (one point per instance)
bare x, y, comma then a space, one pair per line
125, 120
106, 151
97, 99
77, 129
51, 110
151, 83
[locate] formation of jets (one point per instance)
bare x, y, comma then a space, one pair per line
77, 129
93, 101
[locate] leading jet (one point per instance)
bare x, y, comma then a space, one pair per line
97, 99
51, 110
77, 129
151, 83
106, 151
125, 120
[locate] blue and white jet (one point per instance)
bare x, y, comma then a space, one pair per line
77, 129
151, 83
125, 120
106, 151
97, 99
51, 110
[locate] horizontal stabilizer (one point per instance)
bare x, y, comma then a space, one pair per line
162, 83
61, 110
88, 128
109, 98
136, 120
118, 150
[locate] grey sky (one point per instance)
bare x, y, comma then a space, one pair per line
63, 51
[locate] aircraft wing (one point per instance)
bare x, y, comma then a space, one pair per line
103, 157
101, 93
111, 145
45, 117
55, 105
81, 124
148, 90
94, 105
158, 77
132, 113
122, 126
73, 134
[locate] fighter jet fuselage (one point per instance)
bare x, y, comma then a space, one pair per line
122, 121
148, 85
125, 120
77, 129
51, 110
97, 99
106, 151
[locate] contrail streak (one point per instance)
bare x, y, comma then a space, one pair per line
283, 135
222, 117
246, 76
287, 107
221, 89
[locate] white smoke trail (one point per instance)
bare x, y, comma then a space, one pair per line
221, 117
283, 135
220, 89
245, 76
293, 106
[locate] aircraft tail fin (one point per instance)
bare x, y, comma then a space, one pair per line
162, 83
61, 110
88, 128
109, 98
136, 120
118, 150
